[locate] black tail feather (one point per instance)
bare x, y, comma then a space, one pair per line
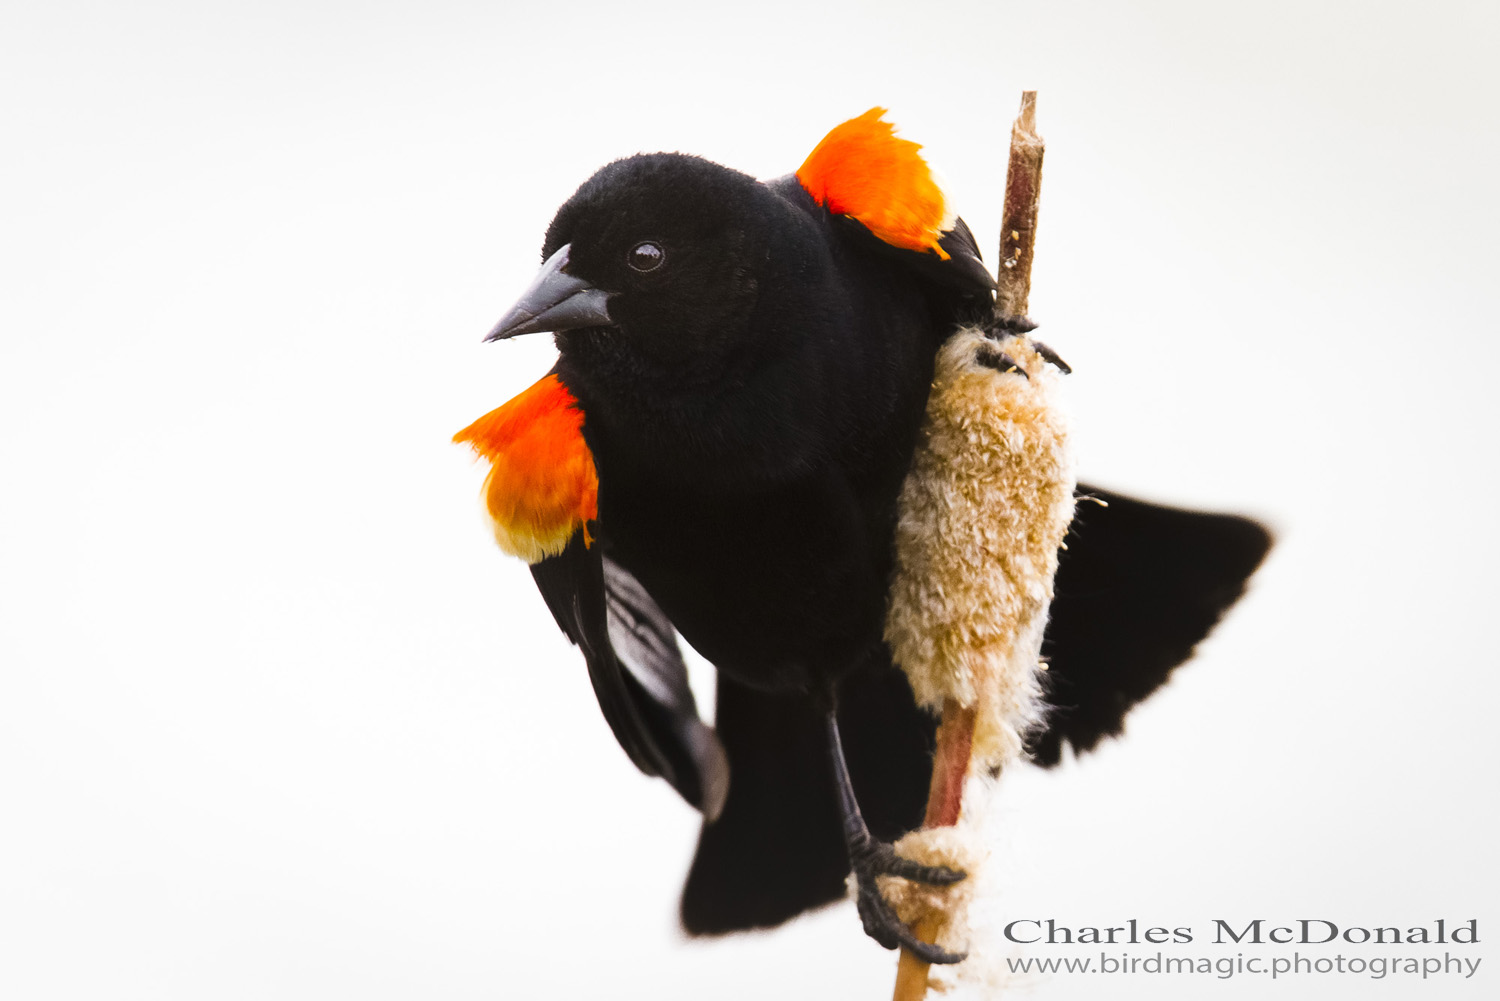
778, 847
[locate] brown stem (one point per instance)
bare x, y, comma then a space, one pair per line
950, 766
1023, 192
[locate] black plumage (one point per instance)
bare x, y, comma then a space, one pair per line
1138, 586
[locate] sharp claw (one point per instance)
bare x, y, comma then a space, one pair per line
999, 361
1052, 356
929, 953
877, 917
882, 924
878, 858
935, 875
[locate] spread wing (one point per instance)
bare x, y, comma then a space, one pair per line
636, 669
1137, 588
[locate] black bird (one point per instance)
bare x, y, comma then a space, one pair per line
718, 452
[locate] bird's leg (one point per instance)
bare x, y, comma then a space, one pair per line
869, 857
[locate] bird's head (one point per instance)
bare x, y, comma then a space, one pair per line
660, 251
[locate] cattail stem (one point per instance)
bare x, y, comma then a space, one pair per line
950, 766
955, 735
1023, 192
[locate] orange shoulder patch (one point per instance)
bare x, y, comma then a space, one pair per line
862, 170
542, 486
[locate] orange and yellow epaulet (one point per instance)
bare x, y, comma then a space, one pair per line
542, 486
863, 171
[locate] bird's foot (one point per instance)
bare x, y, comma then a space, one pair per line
1051, 356
877, 858
1003, 327
999, 361
1005, 324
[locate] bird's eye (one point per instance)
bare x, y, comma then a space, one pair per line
646, 256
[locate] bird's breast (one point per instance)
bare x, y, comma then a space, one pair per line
778, 587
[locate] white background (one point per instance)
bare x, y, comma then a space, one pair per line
278, 721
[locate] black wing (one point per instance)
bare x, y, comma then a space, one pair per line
1137, 588
637, 671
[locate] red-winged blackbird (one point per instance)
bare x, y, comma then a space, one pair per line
718, 452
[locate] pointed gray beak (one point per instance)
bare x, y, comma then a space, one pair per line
555, 301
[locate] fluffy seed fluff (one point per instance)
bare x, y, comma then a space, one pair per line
983, 512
